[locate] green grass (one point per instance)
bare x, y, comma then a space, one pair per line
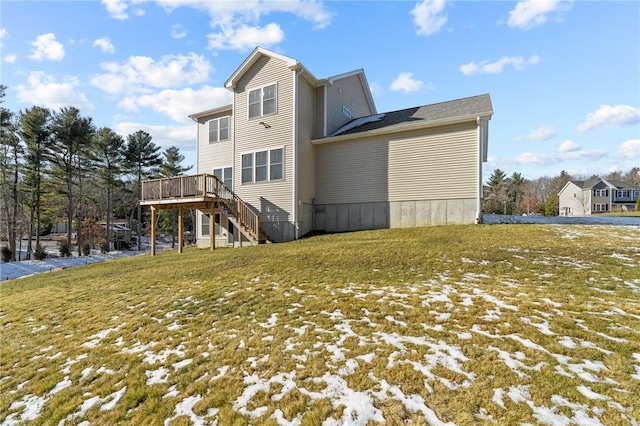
622, 214
452, 321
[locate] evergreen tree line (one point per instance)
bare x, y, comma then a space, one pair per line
515, 195
57, 166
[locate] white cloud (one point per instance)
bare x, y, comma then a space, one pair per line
236, 25
486, 67
178, 32
630, 150
238, 13
3, 35
405, 82
10, 58
164, 136
119, 9
568, 146
47, 47
531, 13
45, 90
104, 44
375, 87
179, 104
429, 17
245, 37
540, 134
141, 73
567, 151
610, 116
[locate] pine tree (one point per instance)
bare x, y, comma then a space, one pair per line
35, 132
143, 160
170, 168
108, 154
67, 152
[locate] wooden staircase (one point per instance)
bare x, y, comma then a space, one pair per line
203, 192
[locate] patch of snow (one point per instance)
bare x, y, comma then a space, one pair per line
567, 342
392, 320
182, 364
367, 357
32, 406
221, 372
115, 398
498, 398
413, 403
65, 383
161, 375
185, 408
270, 323
586, 391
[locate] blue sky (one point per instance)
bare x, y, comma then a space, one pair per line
564, 76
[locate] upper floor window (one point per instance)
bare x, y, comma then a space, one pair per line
263, 166
225, 175
219, 129
623, 194
600, 192
263, 101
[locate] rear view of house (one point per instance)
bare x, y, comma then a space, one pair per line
307, 154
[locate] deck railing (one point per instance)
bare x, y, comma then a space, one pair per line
181, 188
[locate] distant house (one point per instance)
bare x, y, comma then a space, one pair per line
597, 195
295, 154
120, 235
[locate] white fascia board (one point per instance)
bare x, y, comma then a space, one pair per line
251, 59
198, 115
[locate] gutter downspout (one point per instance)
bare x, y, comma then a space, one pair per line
479, 197
294, 154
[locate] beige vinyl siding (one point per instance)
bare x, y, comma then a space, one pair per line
318, 125
347, 92
436, 164
306, 162
217, 154
272, 199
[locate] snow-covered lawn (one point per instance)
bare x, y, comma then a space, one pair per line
527, 336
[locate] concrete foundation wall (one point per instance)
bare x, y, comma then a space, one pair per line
395, 214
279, 232
221, 241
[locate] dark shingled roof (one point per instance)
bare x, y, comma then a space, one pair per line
444, 111
588, 184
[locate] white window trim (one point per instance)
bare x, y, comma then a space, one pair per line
253, 165
213, 170
275, 83
204, 221
228, 117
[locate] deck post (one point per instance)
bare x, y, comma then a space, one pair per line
153, 231
180, 228
212, 226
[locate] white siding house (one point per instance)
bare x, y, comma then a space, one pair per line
309, 154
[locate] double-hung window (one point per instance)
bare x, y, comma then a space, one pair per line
205, 225
219, 129
263, 166
263, 101
225, 175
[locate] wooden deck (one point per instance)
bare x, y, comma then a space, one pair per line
203, 192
